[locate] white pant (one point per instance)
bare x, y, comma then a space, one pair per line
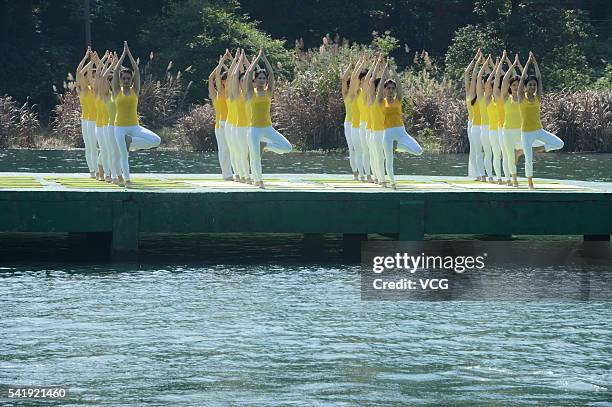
229, 138
223, 151
88, 130
476, 152
372, 148
142, 139
349, 143
405, 143
365, 149
115, 160
241, 150
356, 140
103, 156
488, 151
377, 160
551, 142
497, 152
275, 142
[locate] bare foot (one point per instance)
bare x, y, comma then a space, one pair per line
121, 183
355, 176
128, 184
369, 178
92, 175
491, 181
515, 184
530, 182
108, 179
509, 183
228, 178
249, 181
383, 184
115, 181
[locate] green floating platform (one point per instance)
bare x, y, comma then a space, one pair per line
309, 204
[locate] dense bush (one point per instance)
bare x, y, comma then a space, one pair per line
66, 118
196, 129
18, 124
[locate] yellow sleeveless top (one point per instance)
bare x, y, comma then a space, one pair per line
492, 113
393, 113
377, 116
501, 114
348, 114
513, 114
477, 117
470, 109
484, 116
102, 115
355, 113
363, 108
260, 105
242, 120
220, 105
231, 111
127, 108
111, 110
530, 114
90, 99
84, 106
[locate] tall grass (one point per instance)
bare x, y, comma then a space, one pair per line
19, 124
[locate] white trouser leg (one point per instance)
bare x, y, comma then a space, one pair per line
229, 137
223, 151
506, 168
472, 169
103, 157
349, 144
114, 153
108, 150
242, 145
497, 155
551, 142
378, 165
86, 142
512, 139
92, 152
356, 139
478, 150
142, 139
488, 151
372, 147
275, 142
405, 143
365, 149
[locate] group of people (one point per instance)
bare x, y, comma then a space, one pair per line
108, 94
373, 121
504, 118
242, 97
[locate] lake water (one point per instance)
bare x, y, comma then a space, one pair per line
258, 320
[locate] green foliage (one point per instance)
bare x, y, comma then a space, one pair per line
605, 81
196, 32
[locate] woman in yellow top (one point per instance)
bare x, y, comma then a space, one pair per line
353, 93
111, 112
530, 98
358, 82
512, 120
394, 124
348, 117
259, 88
484, 97
476, 156
216, 91
88, 125
492, 112
238, 138
102, 92
129, 135
374, 98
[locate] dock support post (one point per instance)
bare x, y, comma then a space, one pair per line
411, 220
596, 238
125, 230
351, 245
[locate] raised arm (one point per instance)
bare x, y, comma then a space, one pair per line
488, 91
344, 79
474, 76
80, 77
134, 67
214, 80
371, 95
249, 76
521, 89
380, 89
467, 79
398, 84
538, 75
271, 81
354, 85
117, 74
506, 81
497, 80
479, 88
